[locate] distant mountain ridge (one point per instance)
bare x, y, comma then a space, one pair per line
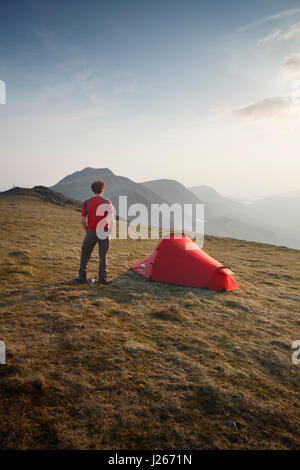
223, 217
85, 173
172, 191
279, 209
176, 193
219, 205
78, 185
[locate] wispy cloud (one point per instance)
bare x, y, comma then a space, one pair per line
291, 65
269, 107
267, 19
275, 34
282, 34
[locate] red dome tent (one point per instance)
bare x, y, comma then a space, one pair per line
180, 261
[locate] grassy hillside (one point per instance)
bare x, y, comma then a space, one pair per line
137, 364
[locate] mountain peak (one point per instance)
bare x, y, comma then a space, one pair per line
88, 172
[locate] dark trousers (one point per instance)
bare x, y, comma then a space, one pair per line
88, 245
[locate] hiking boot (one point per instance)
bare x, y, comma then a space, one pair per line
80, 280
105, 282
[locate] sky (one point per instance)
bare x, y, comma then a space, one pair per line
205, 92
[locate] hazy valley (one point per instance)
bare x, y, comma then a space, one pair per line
273, 220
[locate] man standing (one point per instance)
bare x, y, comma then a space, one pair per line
94, 220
